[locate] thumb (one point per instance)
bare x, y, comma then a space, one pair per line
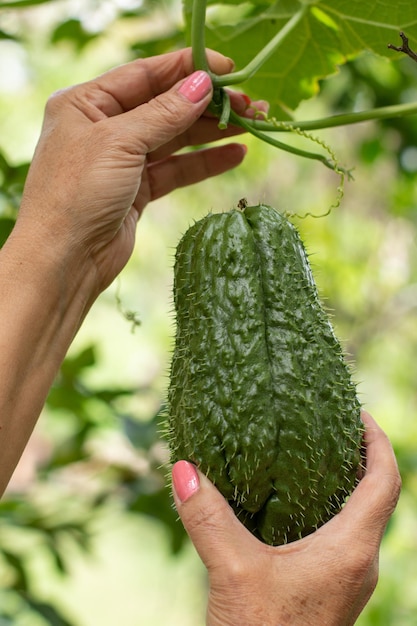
210, 522
168, 115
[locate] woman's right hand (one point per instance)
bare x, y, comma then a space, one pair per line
109, 146
324, 579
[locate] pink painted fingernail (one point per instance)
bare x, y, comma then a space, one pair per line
185, 480
196, 87
246, 99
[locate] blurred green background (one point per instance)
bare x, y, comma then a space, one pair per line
88, 534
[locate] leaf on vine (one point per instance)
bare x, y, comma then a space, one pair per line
329, 34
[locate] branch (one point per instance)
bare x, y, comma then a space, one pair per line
404, 48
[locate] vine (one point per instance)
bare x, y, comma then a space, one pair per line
342, 172
266, 128
332, 160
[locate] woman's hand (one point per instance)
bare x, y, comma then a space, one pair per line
325, 579
108, 147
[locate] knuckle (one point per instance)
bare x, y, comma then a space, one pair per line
396, 486
202, 520
166, 108
194, 522
393, 491
56, 101
167, 118
383, 489
237, 573
389, 490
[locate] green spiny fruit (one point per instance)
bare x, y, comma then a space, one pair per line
260, 398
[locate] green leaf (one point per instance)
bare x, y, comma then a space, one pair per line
51, 614
73, 365
327, 36
5, 35
73, 31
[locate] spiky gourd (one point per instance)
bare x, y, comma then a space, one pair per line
260, 395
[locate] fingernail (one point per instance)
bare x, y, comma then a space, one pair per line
196, 87
246, 99
232, 64
185, 480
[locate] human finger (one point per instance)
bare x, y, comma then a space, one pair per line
128, 86
206, 129
375, 498
168, 115
244, 106
186, 169
210, 522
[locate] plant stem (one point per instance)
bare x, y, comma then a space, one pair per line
198, 39
259, 128
248, 125
198, 44
226, 110
344, 119
253, 66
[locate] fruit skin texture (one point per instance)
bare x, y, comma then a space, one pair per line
260, 398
